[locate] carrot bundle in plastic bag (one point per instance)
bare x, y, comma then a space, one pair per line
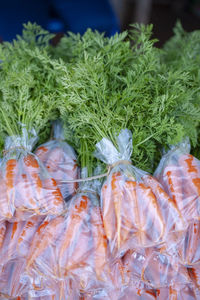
60, 160
136, 210
72, 245
26, 188
179, 173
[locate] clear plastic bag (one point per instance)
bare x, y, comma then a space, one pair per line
13, 253
134, 293
178, 292
73, 245
136, 211
26, 188
179, 173
60, 160
13, 283
154, 268
188, 249
18, 238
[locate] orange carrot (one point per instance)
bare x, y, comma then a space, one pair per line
169, 209
2, 232
117, 198
108, 212
11, 167
100, 242
78, 211
130, 211
173, 180
194, 273
27, 234
6, 209
190, 167
52, 196
151, 227
45, 235
31, 167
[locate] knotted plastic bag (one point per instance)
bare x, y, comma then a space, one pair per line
60, 160
26, 188
179, 173
136, 211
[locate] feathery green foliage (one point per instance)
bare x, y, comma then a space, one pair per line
182, 52
28, 85
114, 83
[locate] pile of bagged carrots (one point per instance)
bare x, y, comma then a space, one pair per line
130, 236
90, 209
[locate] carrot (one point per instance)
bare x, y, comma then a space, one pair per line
78, 211
2, 232
169, 209
191, 174
10, 173
100, 242
194, 273
27, 234
151, 228
31, 169
54, 199
6, 209
26, 194
108, 213
45, 235
172, 178
130, 211
117, 198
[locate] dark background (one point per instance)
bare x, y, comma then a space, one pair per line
109, 16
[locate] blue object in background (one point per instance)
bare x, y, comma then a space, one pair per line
13, 13
78, 15
57, 16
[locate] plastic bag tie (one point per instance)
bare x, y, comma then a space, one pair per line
110, 167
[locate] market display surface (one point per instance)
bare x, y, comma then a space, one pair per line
99, 168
